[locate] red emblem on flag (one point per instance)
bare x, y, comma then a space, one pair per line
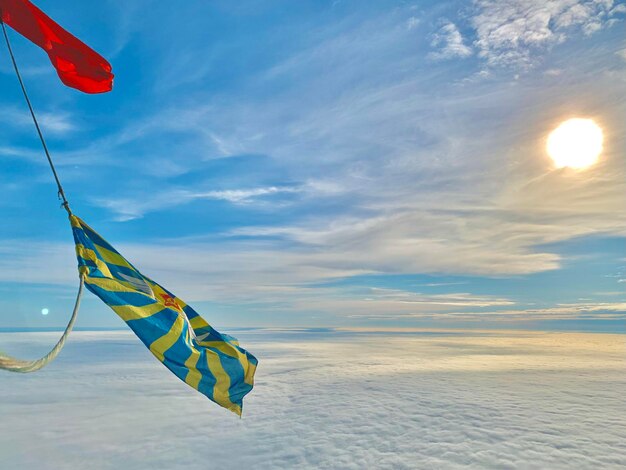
170, 301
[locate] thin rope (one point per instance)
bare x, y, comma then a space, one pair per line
7, 362
61, 193
18, 365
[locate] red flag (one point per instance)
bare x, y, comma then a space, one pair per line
77, 64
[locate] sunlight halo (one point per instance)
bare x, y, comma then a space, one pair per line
575, 143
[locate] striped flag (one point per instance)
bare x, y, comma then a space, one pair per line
211, 362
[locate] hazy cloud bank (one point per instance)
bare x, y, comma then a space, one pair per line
326, 399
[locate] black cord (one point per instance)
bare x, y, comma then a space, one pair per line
61, 193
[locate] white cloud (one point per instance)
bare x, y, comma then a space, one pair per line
510, 33
441, 284
272, 278
57, 122
572, 311
472, 194
242, 195
51, 122
129, 209
399, 168
462, 205
336, 399
412, 23
21, 153
449, 300
449, 43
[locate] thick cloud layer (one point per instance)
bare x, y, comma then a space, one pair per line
326, 399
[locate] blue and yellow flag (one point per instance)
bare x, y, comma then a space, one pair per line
211, 362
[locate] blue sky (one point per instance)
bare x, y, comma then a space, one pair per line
327, 163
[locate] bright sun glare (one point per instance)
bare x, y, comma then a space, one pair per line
575, 143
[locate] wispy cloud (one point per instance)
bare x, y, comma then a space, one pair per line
615, 311
412, 23
440, 284
21, 153
53, 122
270, 277
510, 33
341, 150
449, 43
516, 33
450, 300
128, 209
447, 185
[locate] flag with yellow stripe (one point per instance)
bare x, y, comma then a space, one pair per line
211, 362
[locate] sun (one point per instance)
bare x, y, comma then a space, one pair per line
575, 143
